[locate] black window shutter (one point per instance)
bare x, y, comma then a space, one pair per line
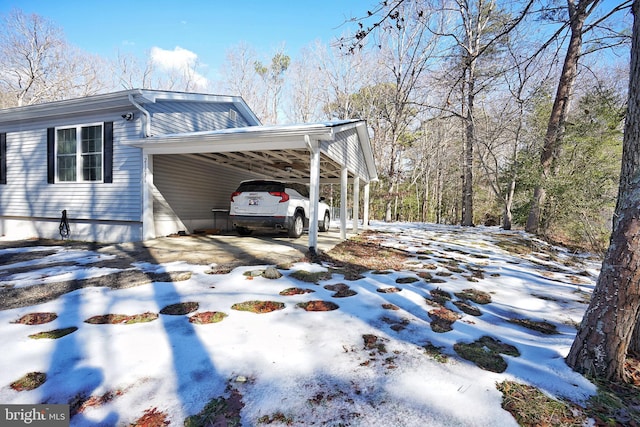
3, 158
108, 152
51, 155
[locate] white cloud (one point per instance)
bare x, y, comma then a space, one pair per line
178, 59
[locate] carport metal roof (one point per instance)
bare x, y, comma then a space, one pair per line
281, 152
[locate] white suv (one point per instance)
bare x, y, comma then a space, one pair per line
276, 205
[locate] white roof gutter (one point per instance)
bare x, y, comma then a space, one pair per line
145, 113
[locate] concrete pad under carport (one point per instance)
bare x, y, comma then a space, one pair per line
225, 250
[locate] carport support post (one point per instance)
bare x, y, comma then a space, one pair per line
356, 202
314, 193
148, 222
365, 208
344, 183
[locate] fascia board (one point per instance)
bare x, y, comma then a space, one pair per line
367, 150
235, 139
67, 107
220, 146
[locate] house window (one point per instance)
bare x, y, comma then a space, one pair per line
79, 152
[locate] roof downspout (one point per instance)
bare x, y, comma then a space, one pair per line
145, 113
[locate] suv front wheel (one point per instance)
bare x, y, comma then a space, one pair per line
296, 226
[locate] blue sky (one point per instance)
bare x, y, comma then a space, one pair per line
206, 28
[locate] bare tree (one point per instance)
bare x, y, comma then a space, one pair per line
470, 31
322, 82
38, 65
272, 76
305, 88
504, 125
260, 85
605, 333
159, 69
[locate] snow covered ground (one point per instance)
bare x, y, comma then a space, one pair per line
312, 367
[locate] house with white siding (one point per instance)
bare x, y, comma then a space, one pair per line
138, 164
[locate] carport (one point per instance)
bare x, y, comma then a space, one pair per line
319, 153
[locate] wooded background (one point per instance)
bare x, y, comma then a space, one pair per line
504, 113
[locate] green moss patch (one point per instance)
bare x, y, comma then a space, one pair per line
486, 353
425, 275
311, 277
318, 305
55, 334
278, 418
444, 274
396, 324
267, 273
207, 317
617, 403
440, 296
295, 291
405, 280
467, 308
442, 319
219, 270
115, 319
36, 318
475, 295
30, 381
542, 327
530, 407
180, 308
435, 353
219, 411
341, 290
373, 342
258, 307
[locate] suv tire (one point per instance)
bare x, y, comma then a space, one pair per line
297, 226
243, 231
324, 225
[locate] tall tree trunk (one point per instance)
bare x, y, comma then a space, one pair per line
554, 135
634, 345
469, 140
606, 331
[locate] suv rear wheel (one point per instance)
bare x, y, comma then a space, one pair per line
296, 226
243, 231
324, 225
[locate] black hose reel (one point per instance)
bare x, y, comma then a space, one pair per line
64, 225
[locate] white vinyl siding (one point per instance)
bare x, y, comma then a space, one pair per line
190, 187
346, 149
27, 193
183, 117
